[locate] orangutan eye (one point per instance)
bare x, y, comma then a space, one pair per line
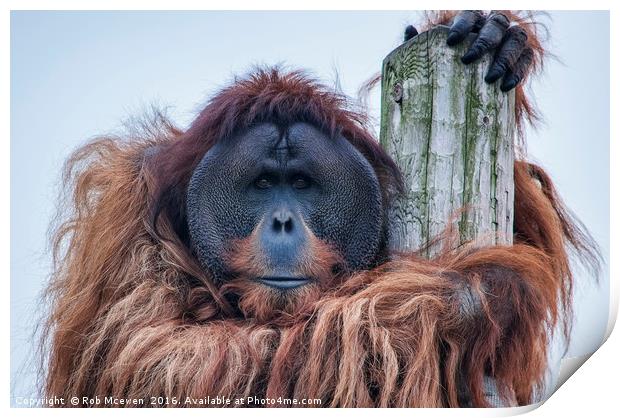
301, 183
262, 183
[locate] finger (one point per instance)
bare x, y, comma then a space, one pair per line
410, 32
464, 23
517, 73
509, 52
490, 37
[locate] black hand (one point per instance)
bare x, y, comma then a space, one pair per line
513, 57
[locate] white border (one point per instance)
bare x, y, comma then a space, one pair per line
592, 390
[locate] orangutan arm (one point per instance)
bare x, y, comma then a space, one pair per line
405, 335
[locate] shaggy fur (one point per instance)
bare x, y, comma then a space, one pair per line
134, 315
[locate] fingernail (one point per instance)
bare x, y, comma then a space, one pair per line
469, 57
410, 32
493, 75
453, 38
509, 83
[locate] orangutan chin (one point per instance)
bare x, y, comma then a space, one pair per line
246, 256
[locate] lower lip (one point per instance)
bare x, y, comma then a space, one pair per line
283, 283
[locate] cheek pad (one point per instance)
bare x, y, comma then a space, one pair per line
215, 214
349, 213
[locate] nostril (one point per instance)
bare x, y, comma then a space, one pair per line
277, 225
288, 225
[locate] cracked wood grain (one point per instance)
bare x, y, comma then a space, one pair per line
452, 136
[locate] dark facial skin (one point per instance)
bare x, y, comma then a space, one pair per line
284, 184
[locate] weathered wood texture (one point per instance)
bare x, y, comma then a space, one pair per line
452, 135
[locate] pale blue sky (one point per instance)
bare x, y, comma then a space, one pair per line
78, 74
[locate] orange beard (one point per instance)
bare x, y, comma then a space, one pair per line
264, 303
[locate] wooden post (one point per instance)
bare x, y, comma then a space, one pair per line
452, 136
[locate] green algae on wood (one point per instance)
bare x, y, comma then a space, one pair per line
452, 135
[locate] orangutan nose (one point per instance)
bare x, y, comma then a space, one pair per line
283, 239
282, 221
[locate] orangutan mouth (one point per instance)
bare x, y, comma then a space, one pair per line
284, 282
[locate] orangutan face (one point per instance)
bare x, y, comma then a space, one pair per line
282, 207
